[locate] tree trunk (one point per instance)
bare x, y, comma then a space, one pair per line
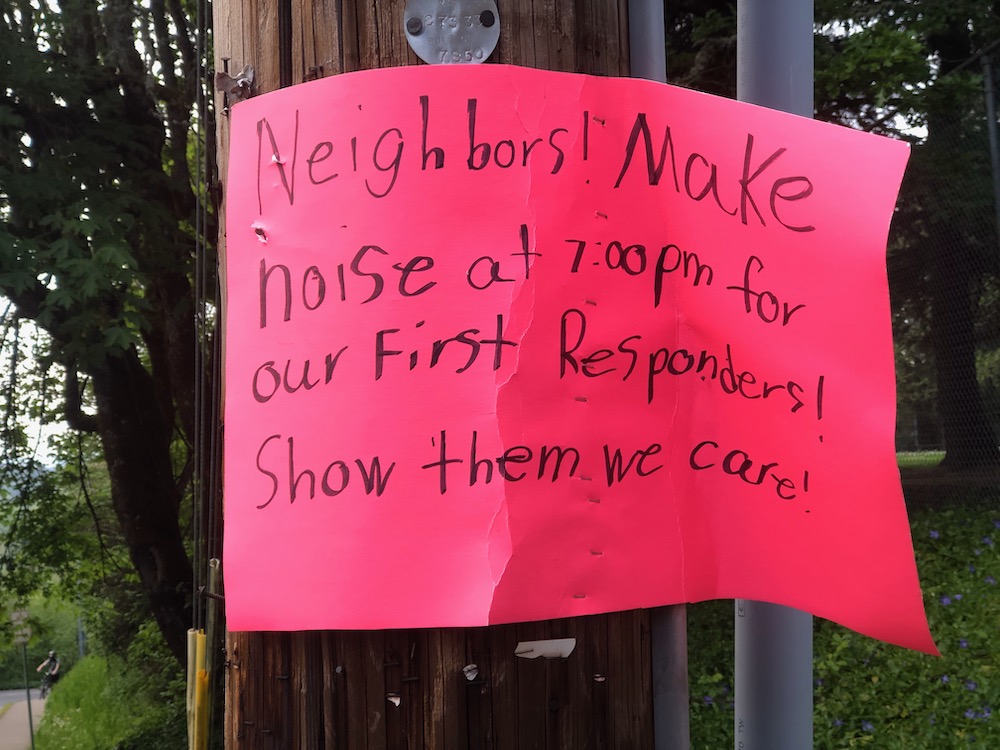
136, 440
407, 688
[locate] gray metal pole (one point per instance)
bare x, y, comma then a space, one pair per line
668, 625
647, 42
991, 131
27, 689
81, 637
773, 677
671, 705
773, 643
774, 58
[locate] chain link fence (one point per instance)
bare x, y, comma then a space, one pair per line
944, 257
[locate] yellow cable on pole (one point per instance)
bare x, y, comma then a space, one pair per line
197, 691
192, 673
201, 704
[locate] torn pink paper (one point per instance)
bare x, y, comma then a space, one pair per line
507, 344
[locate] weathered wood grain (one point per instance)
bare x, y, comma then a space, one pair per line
334, 690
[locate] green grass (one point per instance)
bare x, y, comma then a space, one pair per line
98, 705
873, 695
919, 459
81, 710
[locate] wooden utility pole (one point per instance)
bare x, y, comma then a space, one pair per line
450, 688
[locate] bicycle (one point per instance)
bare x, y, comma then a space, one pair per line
48, 680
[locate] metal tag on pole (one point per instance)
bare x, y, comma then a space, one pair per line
774, 699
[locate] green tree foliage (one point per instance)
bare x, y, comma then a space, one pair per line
98, 224
53, 626
701, 45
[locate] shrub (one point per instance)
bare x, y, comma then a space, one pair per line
871, 694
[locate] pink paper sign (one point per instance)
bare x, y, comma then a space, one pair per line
507, 344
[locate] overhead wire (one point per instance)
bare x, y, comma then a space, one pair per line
199, 269
206, 503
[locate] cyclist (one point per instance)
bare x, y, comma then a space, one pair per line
50, 672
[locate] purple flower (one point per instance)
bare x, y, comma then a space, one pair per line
963, 643
708, 700
990, 580
970, 714
946, 600
935, 534
958, 597
970, 685
987, 541
996, 523
977, 552
867, 726
972, 568
987, 712
945, 678
838, 723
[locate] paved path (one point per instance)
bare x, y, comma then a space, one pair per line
14, 733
